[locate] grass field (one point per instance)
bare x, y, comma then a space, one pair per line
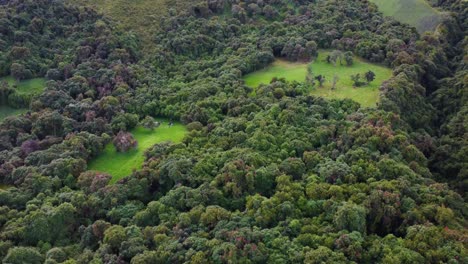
417, 13
367, 96
291, 71
120, 165
35, 85
6, 111
32, 86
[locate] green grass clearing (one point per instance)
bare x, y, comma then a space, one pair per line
417, 13
6, 111
4, 186
367, 96
291, 71
35, 85
120, 165
31, 86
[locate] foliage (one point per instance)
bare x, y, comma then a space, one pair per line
271, 175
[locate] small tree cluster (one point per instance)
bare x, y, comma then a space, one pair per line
338, 56
364, 79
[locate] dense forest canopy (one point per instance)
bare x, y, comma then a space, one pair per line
275, 175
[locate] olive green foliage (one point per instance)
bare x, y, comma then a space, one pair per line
271, 174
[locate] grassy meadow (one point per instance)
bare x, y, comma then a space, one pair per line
31, 86
291, 71
35, 85
367, 95
6, 111
120, 164
417, 13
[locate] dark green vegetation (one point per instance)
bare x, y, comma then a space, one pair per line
121, 164
418, 13
275, 176
367, 95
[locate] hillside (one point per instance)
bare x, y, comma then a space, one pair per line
417, 13
265, 150
144, 17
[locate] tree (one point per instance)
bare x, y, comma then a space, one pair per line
114, 236
149, 123
124, 141
19, 71
56, 254
350, 217
270, 12
334, 56
92, 181
29, 146
357, 80
21, 255
335, 81
311, 49
324, 255
310, 76
348, 56
213, 214
294, 167
321, 79
370, 76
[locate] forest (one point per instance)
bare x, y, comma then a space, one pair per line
139, 138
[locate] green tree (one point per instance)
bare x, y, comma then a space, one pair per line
335, 81
114, 236
324, 255
349, 58
22, 255
149, 123
321, 79
370, 76
350, 217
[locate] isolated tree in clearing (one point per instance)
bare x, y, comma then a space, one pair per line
124, 141
370, 76
335, 81
348, 56
320, 79
149, 123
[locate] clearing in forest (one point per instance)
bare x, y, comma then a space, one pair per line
417, 13
6, 111
120, 165
32, 86
367, 95
35, 85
